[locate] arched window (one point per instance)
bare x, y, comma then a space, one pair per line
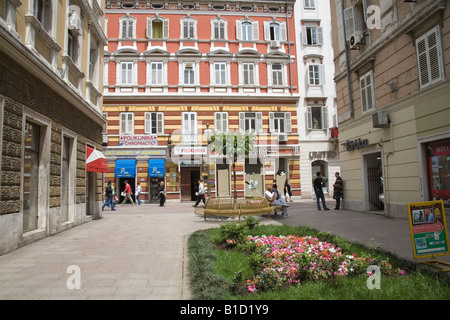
127, 27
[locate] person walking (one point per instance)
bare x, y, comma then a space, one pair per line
128, 193
162, 196
338, 189
109, 193
138, 192
318, 185
200, 194
288, 191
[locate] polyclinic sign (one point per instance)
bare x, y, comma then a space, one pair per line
428, 229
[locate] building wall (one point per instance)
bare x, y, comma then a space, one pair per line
418, 115
37, 87
172, 96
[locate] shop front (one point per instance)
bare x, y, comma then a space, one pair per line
125, 170
156, 174
438, 165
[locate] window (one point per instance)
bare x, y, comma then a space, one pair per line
248, 73
277, 74
128, 27
105, 126
250, 121
188, 28
429, 57
220, 73
274, 31
221, 122
189, 73
219, 29
280, 122
93, 62
309, 4
157, 28
247, 30
156, 73
126, 73
31, 176
317, 118
367, 92
354, 19
189, 127
126, 123
72, 45
154, 123
312, 36
316, 77
42, 12
66, 177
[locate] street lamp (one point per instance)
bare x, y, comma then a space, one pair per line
208, 134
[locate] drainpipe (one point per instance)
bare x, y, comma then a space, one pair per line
289, 48
347, 59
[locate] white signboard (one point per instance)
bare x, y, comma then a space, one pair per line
138, 140
189, 150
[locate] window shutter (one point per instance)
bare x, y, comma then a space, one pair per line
283, 32
242, 121
123, 123
130, 123
309, 118
224, 121
349, 22
320, 36
271, 122
124, 28
325, 117
304, 36
362, 84
288, 123
434, 55
148, 122
238, 30
255, 31
217, 122
149, 28
165, 28
266, 31
160, 123
322, 74
259, 124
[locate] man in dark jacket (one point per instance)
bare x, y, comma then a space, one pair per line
318, 185
109, 197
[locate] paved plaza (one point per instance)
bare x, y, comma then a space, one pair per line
140, 252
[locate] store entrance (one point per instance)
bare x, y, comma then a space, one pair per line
154, 189
189, 186
375, 188
121, 187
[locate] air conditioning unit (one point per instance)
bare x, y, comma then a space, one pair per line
380, 119
283, 137
274, 44
74, 22
356, 40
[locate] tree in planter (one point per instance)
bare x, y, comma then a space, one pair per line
234, 146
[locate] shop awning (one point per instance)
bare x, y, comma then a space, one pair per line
125, 168
95, 161
156, 168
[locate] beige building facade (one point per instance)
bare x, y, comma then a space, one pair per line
51, 69
392, 61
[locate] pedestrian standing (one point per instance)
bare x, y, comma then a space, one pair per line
288, 191
138, 192
318, 189
200, 194
127, 193
162, 196
109, 194
338, 190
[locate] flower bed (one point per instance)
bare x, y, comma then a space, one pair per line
286, 260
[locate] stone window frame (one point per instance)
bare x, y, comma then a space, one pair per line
73, 172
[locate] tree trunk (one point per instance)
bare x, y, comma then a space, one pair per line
234, 174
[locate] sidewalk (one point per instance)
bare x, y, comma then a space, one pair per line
140, 252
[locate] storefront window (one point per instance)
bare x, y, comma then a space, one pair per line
439, 170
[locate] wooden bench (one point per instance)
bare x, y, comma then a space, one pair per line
218, 207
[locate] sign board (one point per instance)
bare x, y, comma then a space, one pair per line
138, 140
428, 229
189, 150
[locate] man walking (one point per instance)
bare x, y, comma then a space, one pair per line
318, 185
200, 194
138, 192
109, 193
127, 193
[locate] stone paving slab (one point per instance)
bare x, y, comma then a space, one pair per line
140, 252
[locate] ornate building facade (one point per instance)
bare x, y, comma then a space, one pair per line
176, 71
